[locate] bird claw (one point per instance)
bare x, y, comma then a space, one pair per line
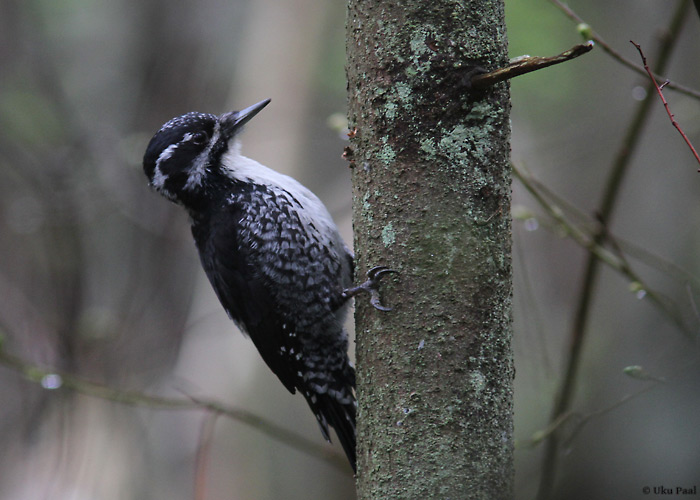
371, 286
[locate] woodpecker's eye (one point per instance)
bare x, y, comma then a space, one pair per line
200, 138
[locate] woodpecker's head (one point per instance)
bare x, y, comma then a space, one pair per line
182, 161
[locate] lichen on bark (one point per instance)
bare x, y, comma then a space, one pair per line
432, 200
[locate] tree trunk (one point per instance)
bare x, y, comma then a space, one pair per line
431, 178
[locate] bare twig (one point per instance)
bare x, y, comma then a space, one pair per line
591, 34
55, 379
526, 64
614, 259
580, 322
579, 420
663, 99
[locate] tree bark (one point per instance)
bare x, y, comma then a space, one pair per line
431, 199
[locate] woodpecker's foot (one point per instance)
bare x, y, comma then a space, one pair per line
371, 286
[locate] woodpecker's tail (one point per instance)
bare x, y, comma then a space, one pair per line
337, 407
341, 416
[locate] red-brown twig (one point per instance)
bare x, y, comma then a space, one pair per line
659, 90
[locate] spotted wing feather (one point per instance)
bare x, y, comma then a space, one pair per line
280, 285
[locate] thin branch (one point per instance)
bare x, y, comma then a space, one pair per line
527, 64
589, 226
592, 35
663, 99
580, 420
53, 379
614, 259
570, 230
611, 189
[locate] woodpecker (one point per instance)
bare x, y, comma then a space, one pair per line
273, 255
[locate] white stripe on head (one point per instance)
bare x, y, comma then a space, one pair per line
166, 154
158, 182
199, 165
159, 178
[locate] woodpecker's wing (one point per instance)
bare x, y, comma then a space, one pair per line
304, 346
243, 294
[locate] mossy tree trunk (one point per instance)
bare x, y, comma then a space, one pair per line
430, 160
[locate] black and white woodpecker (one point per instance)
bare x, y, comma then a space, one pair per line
273, 255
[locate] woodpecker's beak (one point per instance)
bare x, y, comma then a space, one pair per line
237, 119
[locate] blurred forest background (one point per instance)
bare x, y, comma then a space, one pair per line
99, 276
